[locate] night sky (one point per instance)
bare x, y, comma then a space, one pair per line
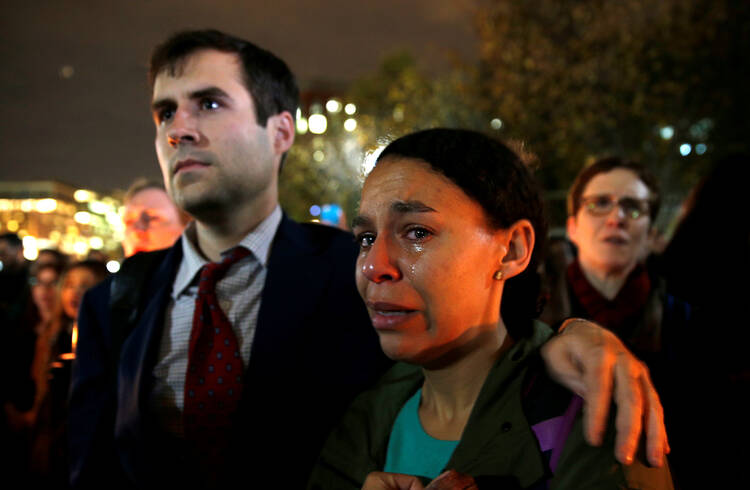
74, 96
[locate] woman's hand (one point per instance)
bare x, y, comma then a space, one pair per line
448, 480
591, 361
378, 480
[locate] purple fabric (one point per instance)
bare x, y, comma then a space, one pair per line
553, 433
565, 427
546, 432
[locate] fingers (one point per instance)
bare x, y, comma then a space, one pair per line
657, 444
598, 377
630, 405
378, 480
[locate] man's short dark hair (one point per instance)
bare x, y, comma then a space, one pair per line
606, 165
271, 84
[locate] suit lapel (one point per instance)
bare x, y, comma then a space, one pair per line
295, 281
141, 347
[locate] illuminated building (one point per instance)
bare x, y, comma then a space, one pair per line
51, 214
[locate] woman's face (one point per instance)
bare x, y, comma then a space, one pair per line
612, 243
75, 283
426, 262
44, 291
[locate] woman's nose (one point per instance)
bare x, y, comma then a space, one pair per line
380, 263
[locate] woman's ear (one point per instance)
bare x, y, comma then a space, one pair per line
520, 239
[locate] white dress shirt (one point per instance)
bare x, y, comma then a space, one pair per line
239, 294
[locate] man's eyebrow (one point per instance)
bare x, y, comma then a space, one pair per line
403, 207
209, 92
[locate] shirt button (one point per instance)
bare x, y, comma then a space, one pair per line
506, 427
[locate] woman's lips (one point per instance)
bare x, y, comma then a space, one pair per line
389, 316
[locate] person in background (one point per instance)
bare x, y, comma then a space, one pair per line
52, 256
612, 207
152, 221
50, 371
14, 303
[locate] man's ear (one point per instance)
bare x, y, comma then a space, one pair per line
520, 239
572, 227
281, 129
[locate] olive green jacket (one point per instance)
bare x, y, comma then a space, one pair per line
498, 446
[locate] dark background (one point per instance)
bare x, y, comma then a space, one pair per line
73, 89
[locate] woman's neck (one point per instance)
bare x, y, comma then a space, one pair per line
449, 392
608, 283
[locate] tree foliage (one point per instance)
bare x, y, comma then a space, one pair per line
581, 79
574, 80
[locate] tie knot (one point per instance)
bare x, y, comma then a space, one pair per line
212, 272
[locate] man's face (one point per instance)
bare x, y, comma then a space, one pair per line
152, 222
213, 154
611, 243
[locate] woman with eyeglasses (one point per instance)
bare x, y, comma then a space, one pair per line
612, 206
450, 226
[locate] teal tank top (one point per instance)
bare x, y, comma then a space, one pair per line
411, 450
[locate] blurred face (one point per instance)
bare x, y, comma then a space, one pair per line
44, 291
212, 152
426, 262
612, 243
75, 283
152, 222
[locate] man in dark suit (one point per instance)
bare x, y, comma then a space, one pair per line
223, 110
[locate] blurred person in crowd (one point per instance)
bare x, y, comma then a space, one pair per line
612, 207
18, 388
152, 221
50, 369
14, 301
224, 115
451, 220
14, 271
97, 256
52, 256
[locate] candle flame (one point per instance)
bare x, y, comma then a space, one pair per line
74, 338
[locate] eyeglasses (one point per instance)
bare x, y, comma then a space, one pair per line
33, 281
602, 204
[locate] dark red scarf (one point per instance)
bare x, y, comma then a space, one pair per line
614, 314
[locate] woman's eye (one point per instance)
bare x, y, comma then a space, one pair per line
418, 234
365, 240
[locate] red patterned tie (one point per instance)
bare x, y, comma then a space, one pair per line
213, 384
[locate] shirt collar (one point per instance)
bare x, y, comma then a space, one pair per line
258, 241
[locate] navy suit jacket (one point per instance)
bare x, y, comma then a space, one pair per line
313, 351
